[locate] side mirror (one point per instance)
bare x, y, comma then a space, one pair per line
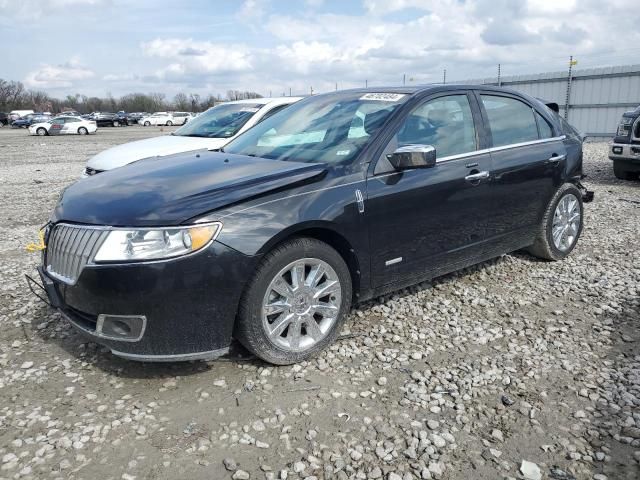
413, 156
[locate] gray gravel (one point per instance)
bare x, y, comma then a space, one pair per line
515, 368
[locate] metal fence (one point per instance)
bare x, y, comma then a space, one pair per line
595, 98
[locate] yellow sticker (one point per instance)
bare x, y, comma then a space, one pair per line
37, 247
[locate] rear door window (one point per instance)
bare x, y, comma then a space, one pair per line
511, 121
544, 128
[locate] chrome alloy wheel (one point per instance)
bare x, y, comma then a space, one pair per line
301, 304
566, 222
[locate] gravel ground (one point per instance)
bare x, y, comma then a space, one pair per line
515, 368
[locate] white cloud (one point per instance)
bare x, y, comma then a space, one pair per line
189, 57
58, 76
33, 9
381, 7
274, 48
252, 9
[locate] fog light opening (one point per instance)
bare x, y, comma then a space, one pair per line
125, 328
617, 150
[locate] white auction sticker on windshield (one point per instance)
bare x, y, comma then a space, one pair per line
383, 97
249, 109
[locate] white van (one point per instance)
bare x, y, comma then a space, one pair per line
212, 130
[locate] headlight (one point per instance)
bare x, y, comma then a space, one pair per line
624, 127
124, 245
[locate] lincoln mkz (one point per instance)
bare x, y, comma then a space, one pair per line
337, 199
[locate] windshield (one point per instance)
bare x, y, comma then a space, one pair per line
330, 128
222, 121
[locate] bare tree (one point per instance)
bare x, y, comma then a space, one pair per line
181, 102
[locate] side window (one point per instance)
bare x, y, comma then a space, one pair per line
544, 128
511, 121
444, 122
71, 120
273, 111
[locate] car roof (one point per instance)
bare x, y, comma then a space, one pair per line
431, 88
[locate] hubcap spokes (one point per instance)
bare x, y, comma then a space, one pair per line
566, 222
301, 304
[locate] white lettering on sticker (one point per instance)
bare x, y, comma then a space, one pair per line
383, 97
342, 153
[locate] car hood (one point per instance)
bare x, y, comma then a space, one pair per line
174, 189
151, 147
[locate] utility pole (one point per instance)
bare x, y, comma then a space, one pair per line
567, 101
444, 76
336, 86
270, 94
404, 79
289, 91
499, 83
366, 83
311, 90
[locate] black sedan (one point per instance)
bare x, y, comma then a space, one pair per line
109, 119
335, 200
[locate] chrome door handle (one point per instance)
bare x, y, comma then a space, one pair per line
474, 177
556, 159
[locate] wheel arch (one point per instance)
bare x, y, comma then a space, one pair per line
324, 232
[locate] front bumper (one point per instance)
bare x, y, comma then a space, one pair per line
188, 304
629, 152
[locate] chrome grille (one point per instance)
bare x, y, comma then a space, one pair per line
70, 248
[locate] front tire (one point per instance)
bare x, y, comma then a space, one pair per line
561, 225
296, 303
620, 172
41, 131
169, 123
146, 124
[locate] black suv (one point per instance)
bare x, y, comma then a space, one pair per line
4, 119
336, 199
625, 148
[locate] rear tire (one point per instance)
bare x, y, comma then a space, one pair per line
558, 220
116, 124
620, 172
41, 131
169, 123
146, 124
82, 131
314, 307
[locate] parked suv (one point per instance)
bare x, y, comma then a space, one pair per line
4, 119
625, 148
337, 199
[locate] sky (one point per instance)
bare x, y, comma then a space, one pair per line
100, 47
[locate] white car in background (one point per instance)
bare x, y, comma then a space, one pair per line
166, 118
158, 118
64, 126
211, 130
180, 118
